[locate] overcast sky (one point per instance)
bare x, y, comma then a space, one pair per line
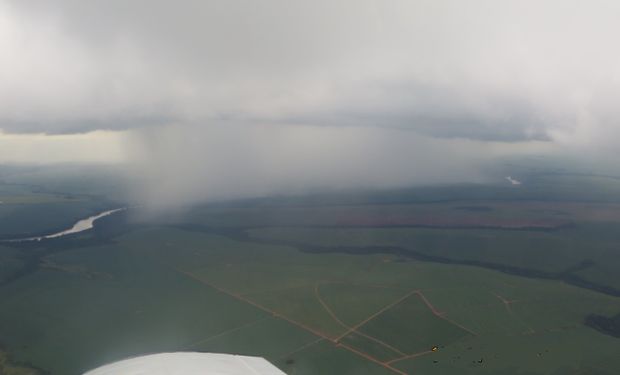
224, 84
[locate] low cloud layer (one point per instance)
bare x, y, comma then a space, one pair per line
513, 70
98, 147
188, 163
355, 74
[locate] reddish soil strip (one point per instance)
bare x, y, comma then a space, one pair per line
268, 310
333, 315
223, 333
380, 342
429, 305
441, 315
358, 325
326, 307
382, 286
336, 341
304, 346
458, 325
274, 290
450, 221
507, 304
415, 355
371, 358
303, 326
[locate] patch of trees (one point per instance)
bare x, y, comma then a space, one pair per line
607, 325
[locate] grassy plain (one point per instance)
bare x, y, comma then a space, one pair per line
162, 289
10, 262
318, 290
589, 250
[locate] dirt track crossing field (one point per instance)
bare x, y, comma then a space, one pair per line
337, 341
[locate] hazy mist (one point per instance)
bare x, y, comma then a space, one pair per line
233, 98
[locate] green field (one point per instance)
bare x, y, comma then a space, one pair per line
161, 289
587, 250
320, 289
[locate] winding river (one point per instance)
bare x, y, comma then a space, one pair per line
80, 226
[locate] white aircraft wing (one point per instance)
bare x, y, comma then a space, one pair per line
189, 363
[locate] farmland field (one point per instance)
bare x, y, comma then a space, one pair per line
460, 287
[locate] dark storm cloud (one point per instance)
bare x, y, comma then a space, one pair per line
228, 98
436, 112
488, 70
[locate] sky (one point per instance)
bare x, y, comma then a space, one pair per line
239, 97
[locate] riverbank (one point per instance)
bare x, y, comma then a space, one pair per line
80, 226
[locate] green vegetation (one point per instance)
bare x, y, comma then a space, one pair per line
10, 262
352, 303
160, 289
585, 250
328, 289
610, 326
411, 327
